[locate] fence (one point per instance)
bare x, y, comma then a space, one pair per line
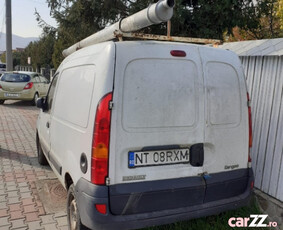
265, 84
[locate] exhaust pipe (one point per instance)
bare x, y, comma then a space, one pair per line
162, 11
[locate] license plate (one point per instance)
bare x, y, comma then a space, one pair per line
160, 157
11, 95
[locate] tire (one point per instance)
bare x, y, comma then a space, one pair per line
2, 102
34, 100
40, 155
73, 215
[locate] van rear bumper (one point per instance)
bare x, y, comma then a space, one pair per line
89, 194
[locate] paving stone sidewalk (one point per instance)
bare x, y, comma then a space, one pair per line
20, 204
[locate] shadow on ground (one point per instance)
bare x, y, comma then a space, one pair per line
26, 104
21, 158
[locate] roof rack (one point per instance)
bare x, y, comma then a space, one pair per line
162, 11
120, 35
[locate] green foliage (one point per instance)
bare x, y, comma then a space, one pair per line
270, 19
78, 19
205, 18
270, 24
280, 13
16, 56
3, 57
40, 52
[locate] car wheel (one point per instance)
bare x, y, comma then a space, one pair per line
2, 102
73, 215
35, 99
40, 155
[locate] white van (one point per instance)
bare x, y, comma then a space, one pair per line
146, 133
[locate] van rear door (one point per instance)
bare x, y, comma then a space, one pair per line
157, 125
226, 130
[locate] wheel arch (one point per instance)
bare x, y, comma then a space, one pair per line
68, 181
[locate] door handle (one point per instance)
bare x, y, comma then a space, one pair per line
47, 124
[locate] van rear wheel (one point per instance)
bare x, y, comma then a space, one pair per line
74, 218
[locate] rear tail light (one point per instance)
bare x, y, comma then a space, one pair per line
101, 208
178, 53
29, 85
250, 129
100, 144
252, 184
0, 86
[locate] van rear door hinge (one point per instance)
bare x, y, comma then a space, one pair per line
107, 181
111, 105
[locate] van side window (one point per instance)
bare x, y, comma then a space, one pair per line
51, 92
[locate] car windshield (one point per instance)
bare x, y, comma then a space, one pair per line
15, 77
3, 66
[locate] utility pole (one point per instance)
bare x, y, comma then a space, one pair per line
9, 59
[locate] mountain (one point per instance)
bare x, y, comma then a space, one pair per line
17, 41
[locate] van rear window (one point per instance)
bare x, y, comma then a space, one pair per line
160, 94
2, 66
224, 97
15, 77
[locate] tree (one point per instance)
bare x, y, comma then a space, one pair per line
269, 23
16, 56
280, 13
206, 18
268, 26
3, 57
78, 19
40, 52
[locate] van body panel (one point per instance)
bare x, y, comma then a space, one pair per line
84, 78
89, 194
151, 196
158, 105
162, 101
182, 192
226, 112
44, 132
178, 134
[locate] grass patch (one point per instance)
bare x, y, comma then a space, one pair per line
217, 222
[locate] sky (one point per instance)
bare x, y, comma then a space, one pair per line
24, 23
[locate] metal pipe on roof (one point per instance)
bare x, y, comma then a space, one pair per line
161, 11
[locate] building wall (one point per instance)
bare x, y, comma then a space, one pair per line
265, 84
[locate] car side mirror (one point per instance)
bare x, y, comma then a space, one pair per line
41, 103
